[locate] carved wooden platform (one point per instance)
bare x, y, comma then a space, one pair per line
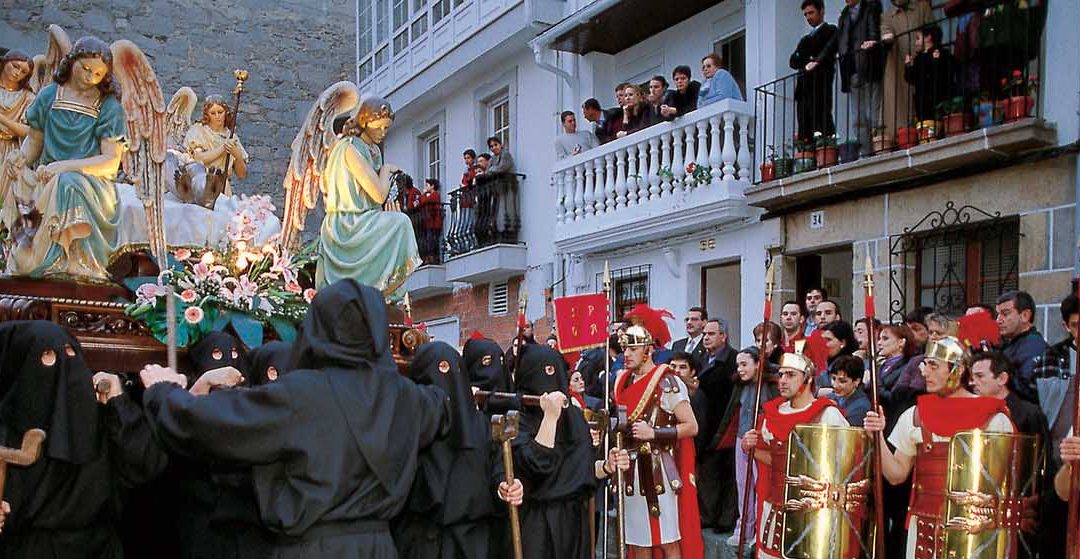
115, 342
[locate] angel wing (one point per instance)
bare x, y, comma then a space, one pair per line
144, 106
310, 148
45, 64
178, 116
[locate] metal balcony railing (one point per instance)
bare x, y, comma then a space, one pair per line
982, 72
485, 214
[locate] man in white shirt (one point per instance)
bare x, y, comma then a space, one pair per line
696, 318
572, 142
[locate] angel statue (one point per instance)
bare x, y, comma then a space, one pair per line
77, 136
357, 238
203, 148
16, 69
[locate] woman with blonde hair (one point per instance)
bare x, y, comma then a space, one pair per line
212, 142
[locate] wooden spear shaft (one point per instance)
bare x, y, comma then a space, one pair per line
1073, 526
763, 358
879, 438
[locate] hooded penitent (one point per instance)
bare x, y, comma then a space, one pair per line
452, 495
63, 505
216, 349
268, 362
484, 363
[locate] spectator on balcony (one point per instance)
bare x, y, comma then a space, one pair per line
684, 98
501, 160
637, 112
815, 60
617, 118
659, 97
572, 142
862, 68
898, 25
931, 72
600, 118
718, 84
431, 222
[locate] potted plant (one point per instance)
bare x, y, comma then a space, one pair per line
1019, 94
906, 137
784, 166
849, 151
928, 130
825, 151
805, 160
954, 118
987, 113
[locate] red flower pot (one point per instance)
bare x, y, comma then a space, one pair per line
1018, 107
826, 156
957, 123
768, 171
906, 137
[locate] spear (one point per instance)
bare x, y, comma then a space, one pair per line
879, 438
1073, 545
619, 520
770, 276
519, 339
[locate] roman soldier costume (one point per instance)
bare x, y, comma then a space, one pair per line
970, 474
778, 422
661, 490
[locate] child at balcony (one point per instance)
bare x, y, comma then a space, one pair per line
431, 221
931, 73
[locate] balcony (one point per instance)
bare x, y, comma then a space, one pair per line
669, 179
482, 237
611, 26
972, 105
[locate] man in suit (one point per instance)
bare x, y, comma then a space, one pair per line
815, 60
695, 328
716, 484
862, 67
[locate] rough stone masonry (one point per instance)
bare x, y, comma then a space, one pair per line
293, 50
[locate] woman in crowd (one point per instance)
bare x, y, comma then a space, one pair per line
839, 339
747, 364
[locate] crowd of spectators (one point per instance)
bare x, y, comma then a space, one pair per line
1009, 360
640, 106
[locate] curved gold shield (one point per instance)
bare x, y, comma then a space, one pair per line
992, 487
828, 492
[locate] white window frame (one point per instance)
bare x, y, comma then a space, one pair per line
433, 153
499, 127
489, 95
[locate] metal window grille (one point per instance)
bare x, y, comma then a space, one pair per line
629, 287
498, 299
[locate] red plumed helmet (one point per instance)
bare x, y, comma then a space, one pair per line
976, 329
652, 322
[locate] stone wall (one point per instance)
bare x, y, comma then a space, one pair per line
293, 50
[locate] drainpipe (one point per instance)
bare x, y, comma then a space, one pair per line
538, 56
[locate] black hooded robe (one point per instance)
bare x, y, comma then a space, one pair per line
333, 445
66, 505
557, 481
452, 499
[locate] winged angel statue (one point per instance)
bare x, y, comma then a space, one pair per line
200, 151
357, 239
71, 217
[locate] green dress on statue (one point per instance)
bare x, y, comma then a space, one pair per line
80, 212
357, 239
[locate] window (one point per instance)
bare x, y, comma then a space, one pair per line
419, 27
629, 286
401, 13
382, 57
401, 41
363, 28
439, 10
458, 3
432, 155
418, 5
382, 21
961, 267
500, 120
366, 69
498, 299
732, 51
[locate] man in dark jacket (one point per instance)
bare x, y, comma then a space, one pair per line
815, 60
862, 67
716, 383
1023, 344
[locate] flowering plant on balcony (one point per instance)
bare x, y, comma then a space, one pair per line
237, 284
666, 174
698, 174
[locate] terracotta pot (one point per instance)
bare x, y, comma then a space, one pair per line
1018, 107
768, 171
881, 143
805, 161
826, 156
957, 123
906, 137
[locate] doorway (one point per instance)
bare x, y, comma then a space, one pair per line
831, 270
721, 295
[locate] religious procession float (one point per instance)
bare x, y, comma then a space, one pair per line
118, 220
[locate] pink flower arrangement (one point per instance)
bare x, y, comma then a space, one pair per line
193, 315
188, 296
182, 254
309, 294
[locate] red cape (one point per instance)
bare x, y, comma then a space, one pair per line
691, 543
946, 417
781, 424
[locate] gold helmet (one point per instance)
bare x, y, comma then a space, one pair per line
798, 362
647, 327
948, 350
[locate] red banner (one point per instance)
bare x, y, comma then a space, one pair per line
582, 321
